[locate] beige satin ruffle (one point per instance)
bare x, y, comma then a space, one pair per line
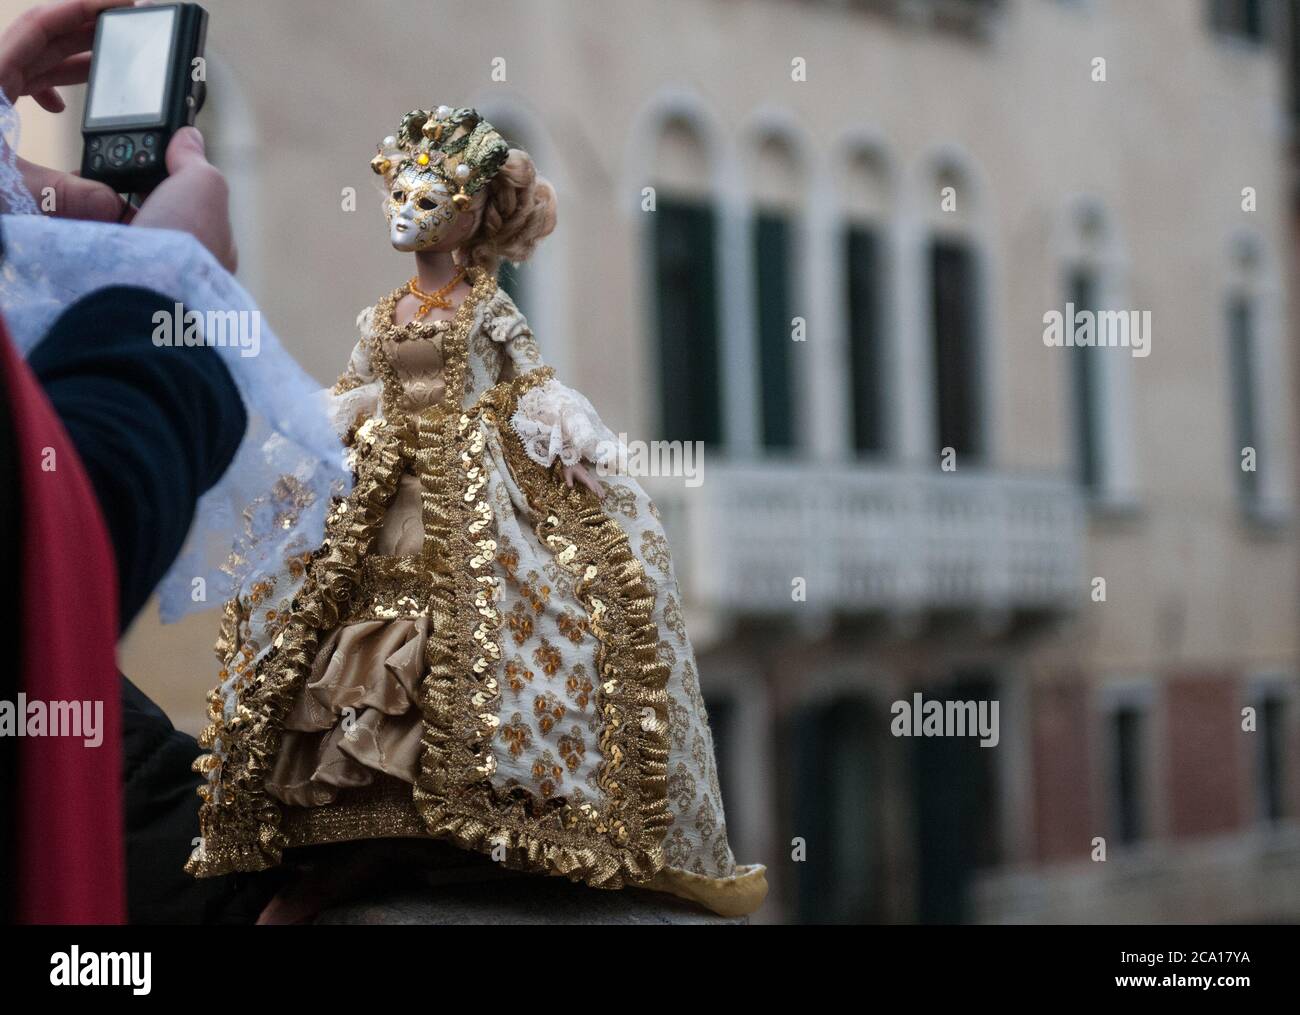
372, 667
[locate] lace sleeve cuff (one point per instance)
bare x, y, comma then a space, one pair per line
556, 422
348, 408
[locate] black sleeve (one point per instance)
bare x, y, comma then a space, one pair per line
154, 426
162, 822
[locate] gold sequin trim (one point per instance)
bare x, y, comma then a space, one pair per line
239, 821
391, 588
605, 846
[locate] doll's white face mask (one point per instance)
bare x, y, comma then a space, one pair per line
419, 210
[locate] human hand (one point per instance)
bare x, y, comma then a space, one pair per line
46, 47
194, 198
579, 472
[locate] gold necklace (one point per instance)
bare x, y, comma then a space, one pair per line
437, 299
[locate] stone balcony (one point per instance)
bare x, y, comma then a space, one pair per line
1250, 876
873, 539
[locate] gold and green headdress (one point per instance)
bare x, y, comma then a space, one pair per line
456, 144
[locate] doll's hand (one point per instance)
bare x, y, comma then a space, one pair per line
45, 47
194, 198
579, 472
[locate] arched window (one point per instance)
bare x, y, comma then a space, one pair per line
1084, 292
865, 200
778, 197
683, 240
956, 329
1105, 335
1243, 327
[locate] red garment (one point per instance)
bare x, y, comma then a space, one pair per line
70, 854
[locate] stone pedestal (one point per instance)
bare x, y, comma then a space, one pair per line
519, 900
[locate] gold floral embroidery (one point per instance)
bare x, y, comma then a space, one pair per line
722, 858
691, 683
517, 735
572, 748
546, 773
518, 675
621, 499
537, 597
681, 787
610, 583
520, 623
668, 654
677, 849
560, 581
572, 626
549, 710
548, 658
654, 548
699, 751
679, 722
674, 620
706, 820
508, 558
578, 686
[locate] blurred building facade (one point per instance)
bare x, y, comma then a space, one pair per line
822, 237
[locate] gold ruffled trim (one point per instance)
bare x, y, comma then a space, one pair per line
604, 846
391, 588
239, 821
739, 895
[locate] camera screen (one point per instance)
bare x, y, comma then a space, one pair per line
131, 60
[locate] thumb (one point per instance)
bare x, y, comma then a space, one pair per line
67, 196
186, 148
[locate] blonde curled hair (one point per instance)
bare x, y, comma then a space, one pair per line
518, 214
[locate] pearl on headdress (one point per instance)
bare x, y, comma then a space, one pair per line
442, 112
390, 141
462, 172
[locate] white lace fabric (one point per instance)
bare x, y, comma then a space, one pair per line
15, 198
557, 423
49, 264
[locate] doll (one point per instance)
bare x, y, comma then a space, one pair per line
487, 647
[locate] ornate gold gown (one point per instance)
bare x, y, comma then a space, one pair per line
476, 652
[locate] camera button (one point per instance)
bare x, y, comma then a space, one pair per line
93, 144
97, 162
120, 150
149, 140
